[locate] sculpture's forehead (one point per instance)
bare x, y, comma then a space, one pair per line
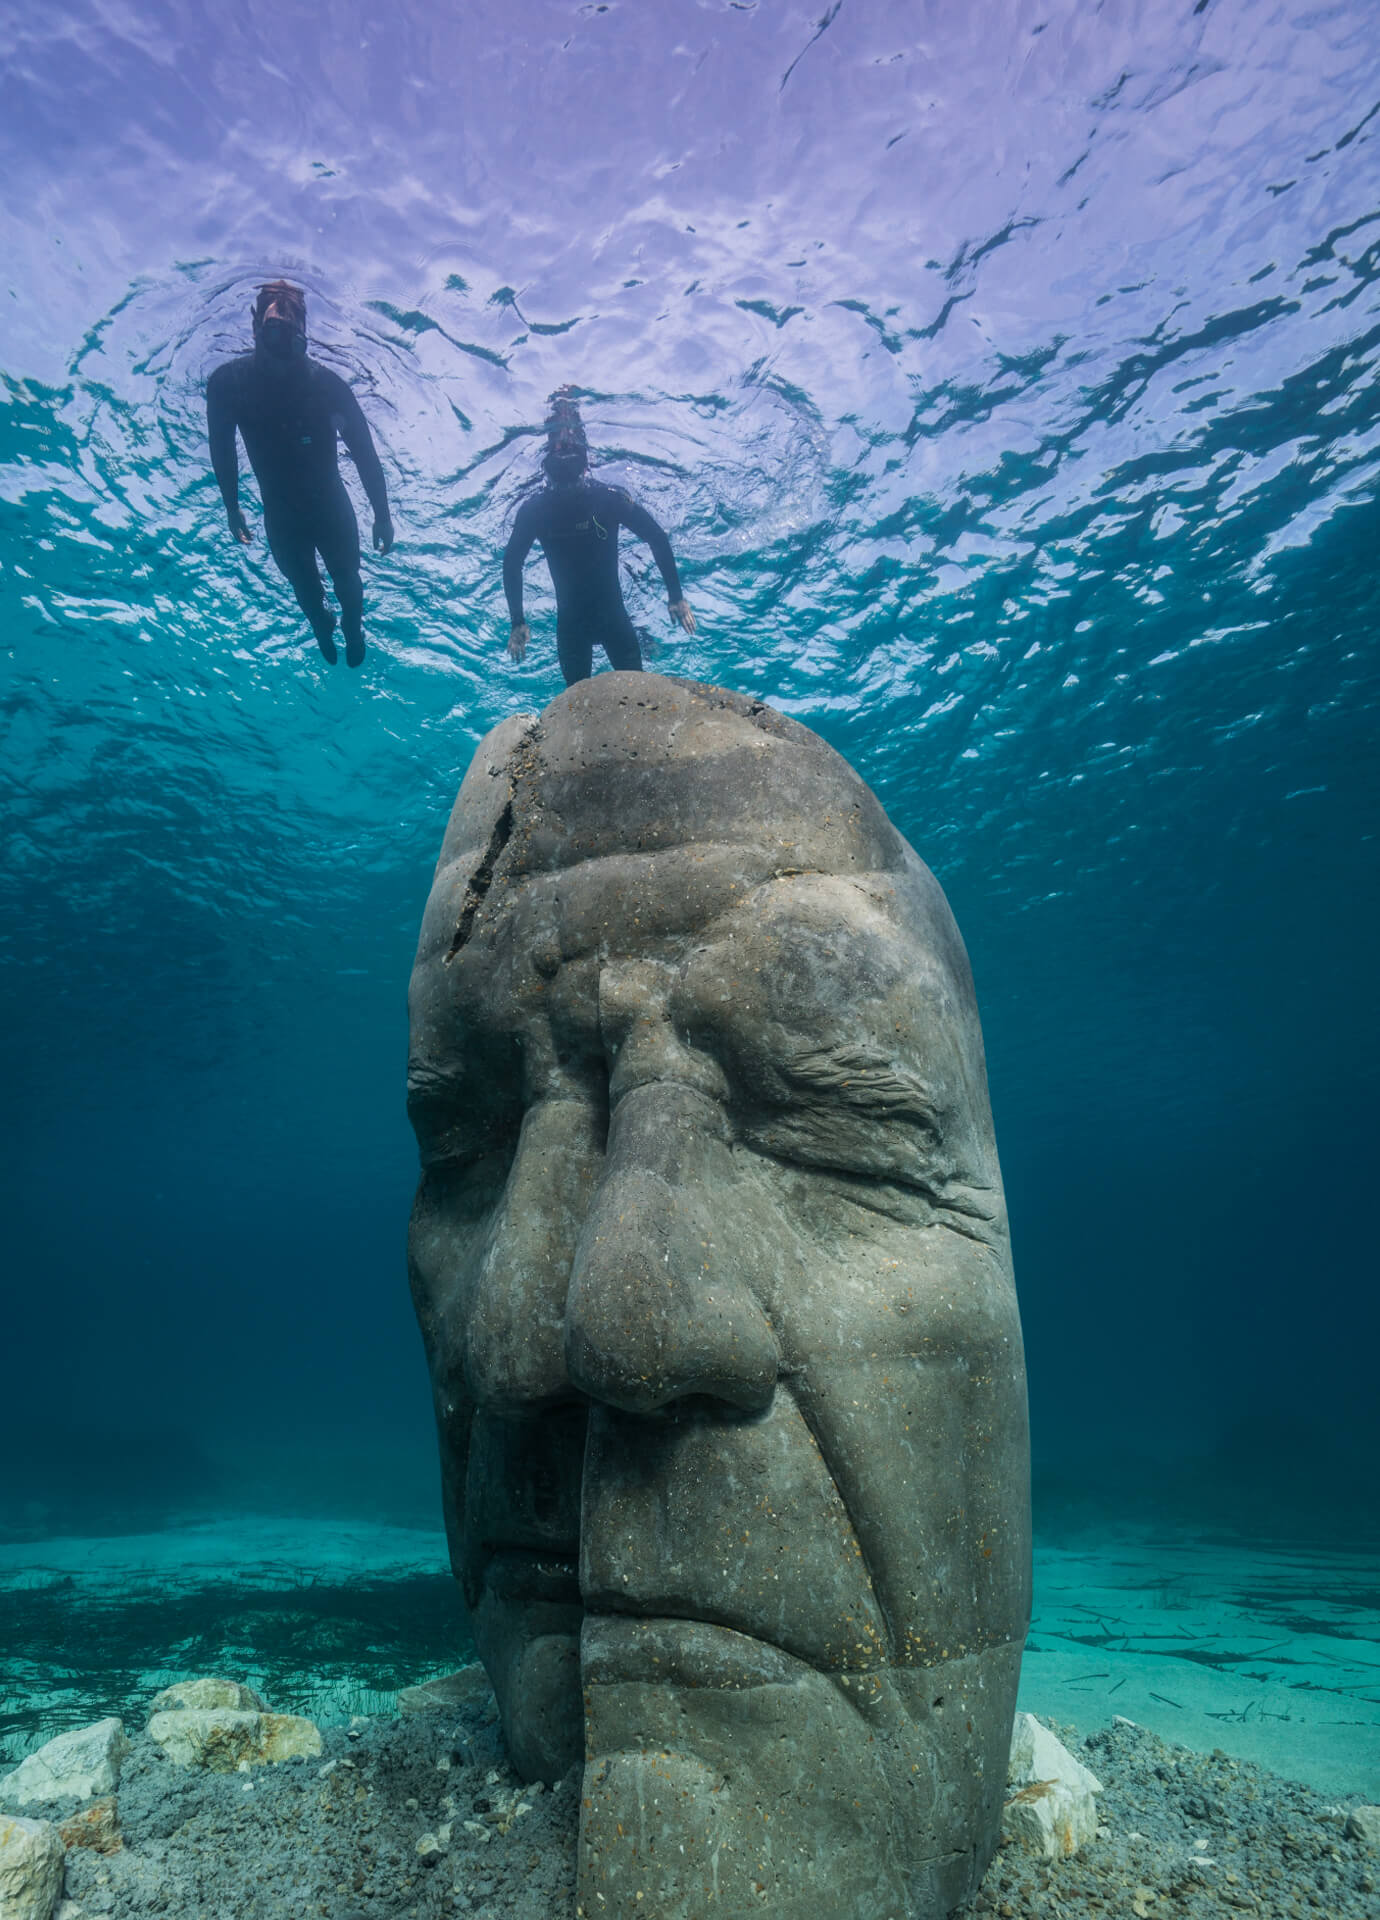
647, 818
695, 898
801, 950
613, 772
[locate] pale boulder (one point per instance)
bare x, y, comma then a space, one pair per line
73, 1766
204, 1696
1363, 1824
30, 1869
222, 1740
96, 1827
452, 1691
1050, 1810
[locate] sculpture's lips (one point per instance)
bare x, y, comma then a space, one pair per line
617, 1648
513, 1573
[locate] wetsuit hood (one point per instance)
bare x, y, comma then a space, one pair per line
280, 321
567, 450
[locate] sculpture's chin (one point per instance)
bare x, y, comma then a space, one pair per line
527, 1629
726, 1776
542, 1713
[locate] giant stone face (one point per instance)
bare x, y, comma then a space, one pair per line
711, 1263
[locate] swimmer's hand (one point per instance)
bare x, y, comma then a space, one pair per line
239, 526
383, 532
681, 614
517, 640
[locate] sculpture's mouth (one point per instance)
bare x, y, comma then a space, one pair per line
665, 1639
621, 1649
520, 1575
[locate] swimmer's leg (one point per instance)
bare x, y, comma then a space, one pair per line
575, 651
338, 545
291, 544
621, 646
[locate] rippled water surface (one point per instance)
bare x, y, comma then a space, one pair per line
1006, 377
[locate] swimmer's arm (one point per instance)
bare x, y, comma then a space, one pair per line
515, 554
637, 520
520, 542
225, 460
359, 444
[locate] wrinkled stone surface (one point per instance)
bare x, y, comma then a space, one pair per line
74, 1765
711, 1264
96, 1827
1051, 1810
205, 1695
223, 1740
31, 1857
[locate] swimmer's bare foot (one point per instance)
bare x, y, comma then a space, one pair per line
324, 629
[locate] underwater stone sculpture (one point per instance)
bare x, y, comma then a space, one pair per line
711, 1264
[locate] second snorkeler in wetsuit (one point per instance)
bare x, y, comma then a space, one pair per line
288, 410
576, 520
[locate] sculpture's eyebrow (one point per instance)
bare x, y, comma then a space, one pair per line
863, 1077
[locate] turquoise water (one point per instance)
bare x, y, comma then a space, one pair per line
1007, 380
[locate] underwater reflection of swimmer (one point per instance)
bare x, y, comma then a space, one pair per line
288, 410
576, 521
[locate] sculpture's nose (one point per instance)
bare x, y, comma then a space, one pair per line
655, 1312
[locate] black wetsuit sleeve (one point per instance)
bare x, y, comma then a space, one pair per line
520, 542
359, 443
220, 432
637, 520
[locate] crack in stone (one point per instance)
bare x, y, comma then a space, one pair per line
482, 879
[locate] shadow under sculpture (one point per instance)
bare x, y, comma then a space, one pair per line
711, 1264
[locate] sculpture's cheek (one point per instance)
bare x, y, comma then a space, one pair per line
928, 1456
705, 1517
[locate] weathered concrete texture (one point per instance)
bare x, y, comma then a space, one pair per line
711, 1263
74, 1765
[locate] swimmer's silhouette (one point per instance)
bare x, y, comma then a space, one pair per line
288, 410
576, 520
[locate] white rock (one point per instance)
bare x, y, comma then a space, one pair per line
30, 1869
1051, 1811
77, 1764
1363, 1823
204, 1696
448, 1693
69, 1910
223, 1740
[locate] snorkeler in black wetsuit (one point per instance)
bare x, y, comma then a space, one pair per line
576, 519
289, 410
